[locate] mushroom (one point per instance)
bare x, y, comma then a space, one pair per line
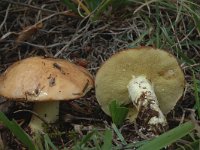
44, 81
149, 78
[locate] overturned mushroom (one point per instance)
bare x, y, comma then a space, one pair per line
45, 81
149, 78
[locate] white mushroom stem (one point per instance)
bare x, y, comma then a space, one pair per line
49, 111
144, 98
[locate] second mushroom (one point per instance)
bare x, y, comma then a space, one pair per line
149, 78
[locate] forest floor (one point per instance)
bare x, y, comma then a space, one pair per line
53, 31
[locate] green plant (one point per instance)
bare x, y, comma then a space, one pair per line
24, 138
93, 7
169, 137
162, 21
99, 141
17, 131
196, 94
118, 113
104, 141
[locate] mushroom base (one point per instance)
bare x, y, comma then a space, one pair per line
143, 97
46, 112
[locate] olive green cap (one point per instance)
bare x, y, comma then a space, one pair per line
160, 68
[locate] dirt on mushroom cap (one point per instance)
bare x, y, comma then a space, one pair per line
44, 79
160, 67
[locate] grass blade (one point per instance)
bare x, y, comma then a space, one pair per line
80, 145
120, 136
70, 5
196, 95
92, 4
139, 39
87, 11
17, 131
101, 8
191, 146
48, 143
87, 137
169, 137
107, 140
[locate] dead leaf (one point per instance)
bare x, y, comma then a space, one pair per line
81, 62
26, 33
79, 108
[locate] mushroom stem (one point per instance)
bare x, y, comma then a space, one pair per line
48, 111
144, 98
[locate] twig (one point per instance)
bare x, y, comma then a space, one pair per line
55, 14
32, 112
189, 66
68, 118
48, 46
36, 45
40, 21
6, 15
66, 46
30, 6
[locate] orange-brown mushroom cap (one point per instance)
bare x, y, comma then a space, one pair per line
45, 79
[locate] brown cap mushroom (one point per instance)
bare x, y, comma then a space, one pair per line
44, 80
133, 73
